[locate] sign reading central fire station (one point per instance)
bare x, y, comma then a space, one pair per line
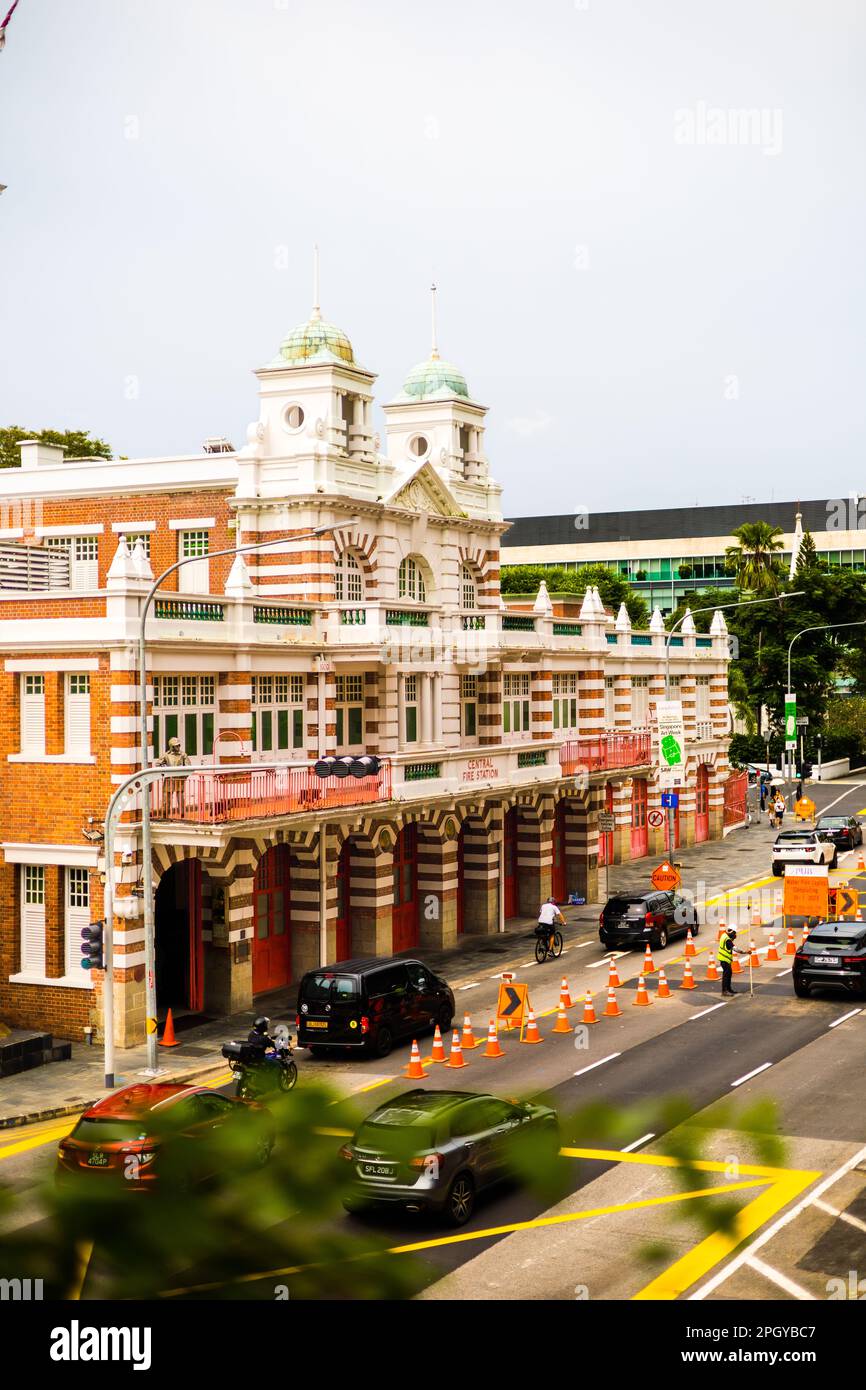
665, 877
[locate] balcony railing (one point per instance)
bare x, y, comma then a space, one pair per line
189, 610
605, 752
211, 797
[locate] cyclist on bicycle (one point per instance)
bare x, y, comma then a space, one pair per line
549, 916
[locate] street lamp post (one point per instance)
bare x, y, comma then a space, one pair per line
708, 608
149, 934
818, 627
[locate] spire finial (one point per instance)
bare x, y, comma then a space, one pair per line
317, 313
434, 350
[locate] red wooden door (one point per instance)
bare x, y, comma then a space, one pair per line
558, 875
509, 842
605, 842
344, 910
639, 842
404, 917
702, 804
272, 960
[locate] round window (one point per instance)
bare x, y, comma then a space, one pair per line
419, 446
294, 417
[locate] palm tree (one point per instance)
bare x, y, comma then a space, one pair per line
755, 560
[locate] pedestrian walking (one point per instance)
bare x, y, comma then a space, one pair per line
779, 808
726, 953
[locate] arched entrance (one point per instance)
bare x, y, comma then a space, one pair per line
461, 880
343, 945
179, 949
605, 841
509, 845
702, 804
558, 872
404, 914
639, 840
272, 943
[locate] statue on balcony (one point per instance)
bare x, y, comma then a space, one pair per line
172, 787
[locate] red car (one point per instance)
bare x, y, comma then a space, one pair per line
122, 1136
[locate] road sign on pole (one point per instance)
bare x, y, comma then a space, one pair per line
665, 877
791, 721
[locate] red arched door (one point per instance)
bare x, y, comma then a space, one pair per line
404, 917
272, 957
509, 843
343, 943
605, 841
702, 804
558, 875
639, 842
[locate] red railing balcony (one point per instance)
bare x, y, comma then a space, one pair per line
604, 752
212, 797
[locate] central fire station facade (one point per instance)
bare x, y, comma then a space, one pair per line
502, 730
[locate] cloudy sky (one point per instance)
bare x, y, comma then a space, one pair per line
646, 221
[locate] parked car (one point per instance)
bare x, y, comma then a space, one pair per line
124, 1135
435, 1151
803, 847
633, 919
846, 832
370, 1004
832, 956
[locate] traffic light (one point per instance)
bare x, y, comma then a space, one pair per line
92, 946
366, 766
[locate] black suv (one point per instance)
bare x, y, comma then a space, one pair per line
845, 831
432, 1151
370, 1004
633, 919
833, 955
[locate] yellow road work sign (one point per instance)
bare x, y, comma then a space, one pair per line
804, 809
513, 1003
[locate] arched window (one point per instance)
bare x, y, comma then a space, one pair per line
348, 578
468, 588
410, 581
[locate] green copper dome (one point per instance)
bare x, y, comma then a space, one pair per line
435, 378
316, 341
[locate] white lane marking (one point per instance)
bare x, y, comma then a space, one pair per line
824, 809
841, 1215
637, 1143
593, 1065
703, 1013
750, 1074
781, 1280
582, 943
837, 1021
779, 973
476, 985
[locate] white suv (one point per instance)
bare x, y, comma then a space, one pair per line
802, 847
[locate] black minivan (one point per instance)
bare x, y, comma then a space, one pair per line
370, 1004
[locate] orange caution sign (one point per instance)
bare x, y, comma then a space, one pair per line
665, 877
513, 1003
847, 901
806, 896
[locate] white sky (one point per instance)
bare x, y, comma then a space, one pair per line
600, 282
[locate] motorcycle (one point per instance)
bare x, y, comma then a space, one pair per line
261, 1072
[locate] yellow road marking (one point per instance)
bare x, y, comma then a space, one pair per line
35, 1141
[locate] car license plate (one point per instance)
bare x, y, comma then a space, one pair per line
97, 1159
317, 1023
377, 1170
826, 960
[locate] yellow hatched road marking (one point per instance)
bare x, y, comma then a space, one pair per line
34, 1141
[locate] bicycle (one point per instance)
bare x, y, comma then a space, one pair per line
550, 945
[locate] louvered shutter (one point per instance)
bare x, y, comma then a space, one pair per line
78, 715
33, 715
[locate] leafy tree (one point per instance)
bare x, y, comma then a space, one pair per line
807, 556
613, 588
77, 443
755, 560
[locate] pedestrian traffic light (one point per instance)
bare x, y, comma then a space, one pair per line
93, 947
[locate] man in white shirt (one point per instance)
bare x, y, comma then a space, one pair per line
550, 914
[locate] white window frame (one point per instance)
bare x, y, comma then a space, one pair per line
348, 578
194, 578
277, 707
348, 697
609, 702
702, 698
76, 713
410, 704
83, 554
194, 709
76, 914
32, 882
640, 708
33, 714
565, 701
469, 710
411, 584
516, 705
468, 588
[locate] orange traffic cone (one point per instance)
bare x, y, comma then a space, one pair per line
492, 1049
688, 980
648, 967
664, 989
562, 1023
691, 948
469, 1040
772, 953
805, 937
612, 1009
861, 862
168, 1039
712, 969
858, 915
754, 958
722, 929
791, 948
565, 998
756, 917
532, 1034
414, 1071
613, 977
641, 997
456, 1058
437, 1053
588, 1010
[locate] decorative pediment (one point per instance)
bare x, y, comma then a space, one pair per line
424, 491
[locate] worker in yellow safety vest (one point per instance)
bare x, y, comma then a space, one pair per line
726, 952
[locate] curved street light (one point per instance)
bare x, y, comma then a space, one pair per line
818, 627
